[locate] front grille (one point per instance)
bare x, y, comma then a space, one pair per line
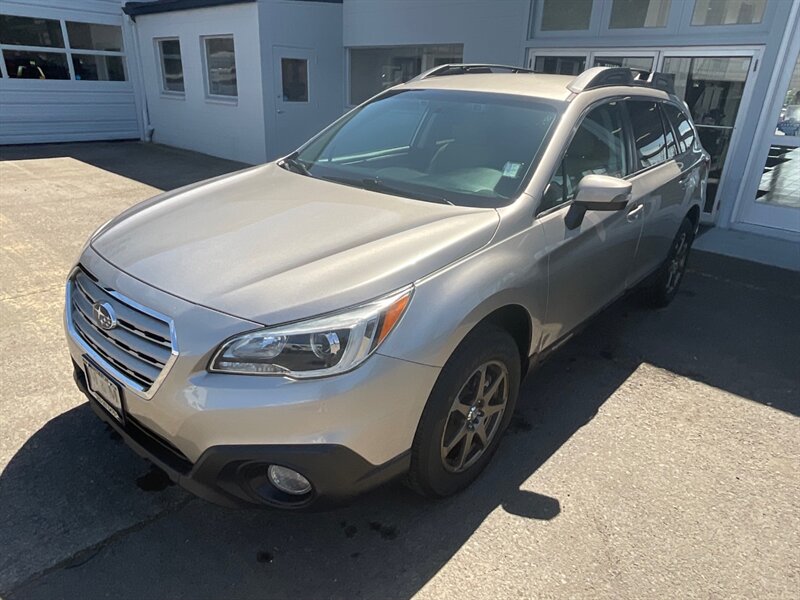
137, 350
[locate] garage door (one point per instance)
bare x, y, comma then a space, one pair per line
63, 79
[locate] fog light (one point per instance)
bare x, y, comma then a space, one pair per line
288, 481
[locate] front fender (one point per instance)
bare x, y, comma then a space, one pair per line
449, 303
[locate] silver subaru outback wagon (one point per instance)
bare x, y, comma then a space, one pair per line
365, 308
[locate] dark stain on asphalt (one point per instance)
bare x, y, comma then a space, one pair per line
688, 293
388, 532
154, 481
350, 531
265, 557
519, 424
607, 354
355, 555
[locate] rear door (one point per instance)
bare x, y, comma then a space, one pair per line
659, 179
588, 267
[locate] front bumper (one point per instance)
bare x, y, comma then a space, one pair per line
214, 434
234, 475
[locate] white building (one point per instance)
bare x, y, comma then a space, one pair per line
252, 79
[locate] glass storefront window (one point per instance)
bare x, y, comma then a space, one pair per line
560, 65
98, 67
558, 15
789, 117
780, 181
373, 70
634, 14
728, 12
639, 63
713, 88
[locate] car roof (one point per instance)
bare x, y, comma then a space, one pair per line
551, 87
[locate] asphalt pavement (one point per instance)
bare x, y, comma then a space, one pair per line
655, 455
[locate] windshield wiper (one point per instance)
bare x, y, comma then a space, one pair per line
374, 184
294, 164
378, 185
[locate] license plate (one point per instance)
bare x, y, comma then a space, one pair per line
104, 390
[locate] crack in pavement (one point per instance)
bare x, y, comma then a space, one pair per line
85, 555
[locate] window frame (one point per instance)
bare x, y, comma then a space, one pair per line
68, 51
628, 146
537, 13
211, 97
162, 72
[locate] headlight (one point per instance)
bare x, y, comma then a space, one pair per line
317, 347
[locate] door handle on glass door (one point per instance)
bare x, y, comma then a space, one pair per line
279, 111
634, 213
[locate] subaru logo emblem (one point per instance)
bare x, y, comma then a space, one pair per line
104, 315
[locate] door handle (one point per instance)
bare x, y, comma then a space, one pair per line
279, 111
634, 213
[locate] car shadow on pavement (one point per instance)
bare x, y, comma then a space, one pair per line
388, 544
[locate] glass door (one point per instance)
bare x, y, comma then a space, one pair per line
716, 86
776, 202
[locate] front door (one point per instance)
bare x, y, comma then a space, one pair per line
295, 98
589, 266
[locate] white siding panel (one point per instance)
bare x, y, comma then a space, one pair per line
61, 111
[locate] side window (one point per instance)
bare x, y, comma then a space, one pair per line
648, 133
672, 147
598, 147
681, 125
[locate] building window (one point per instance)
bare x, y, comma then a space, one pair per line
27, 31
92, 36
560, 65
637, 63
220, 66
24, 64
294, 79
573, 15
635, 14
31, 49
728, 12
169, 52
373, 70
98, 67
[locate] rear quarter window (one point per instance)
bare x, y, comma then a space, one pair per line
648, 133
682, 126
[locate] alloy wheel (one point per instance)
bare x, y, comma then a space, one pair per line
475, 416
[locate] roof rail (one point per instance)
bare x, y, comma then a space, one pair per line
462, 69
596, 77
605, 76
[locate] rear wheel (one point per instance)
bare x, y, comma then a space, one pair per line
468, 410
666, 282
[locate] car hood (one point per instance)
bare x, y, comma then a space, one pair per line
273, 246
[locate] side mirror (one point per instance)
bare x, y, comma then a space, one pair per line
598, 192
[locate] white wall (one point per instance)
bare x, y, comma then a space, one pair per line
229, 129
490, 31
315, 25
68, 110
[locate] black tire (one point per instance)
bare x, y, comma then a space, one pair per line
434, 475
666, 281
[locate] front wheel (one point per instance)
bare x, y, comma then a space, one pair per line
666, 281
468, 410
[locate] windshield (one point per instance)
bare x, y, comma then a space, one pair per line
463, 148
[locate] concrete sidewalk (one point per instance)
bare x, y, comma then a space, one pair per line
656, 455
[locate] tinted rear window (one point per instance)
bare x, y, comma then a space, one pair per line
648, 133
